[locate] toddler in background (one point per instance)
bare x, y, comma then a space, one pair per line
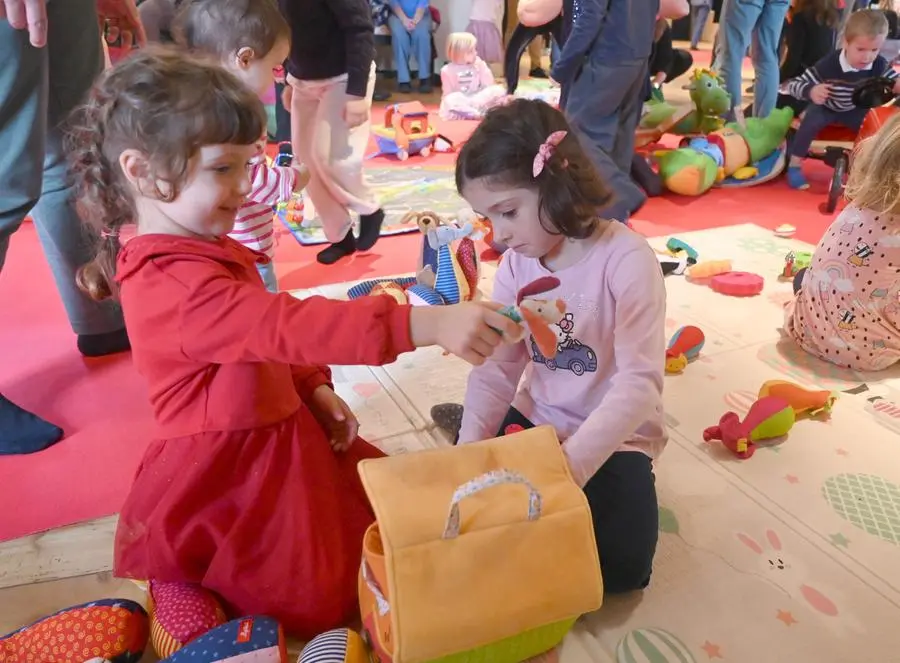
252, 40
847, 305
525, 171
829, 85
468, 87
485, 18
249, 494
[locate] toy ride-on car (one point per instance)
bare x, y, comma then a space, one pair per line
835, 143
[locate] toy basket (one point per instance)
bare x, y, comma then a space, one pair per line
483, 552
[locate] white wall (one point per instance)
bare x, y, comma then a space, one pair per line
454, 18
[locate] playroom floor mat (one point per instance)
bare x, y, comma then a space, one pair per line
400, 190
788, 556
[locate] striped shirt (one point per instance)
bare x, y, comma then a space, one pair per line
254, 226
836, 71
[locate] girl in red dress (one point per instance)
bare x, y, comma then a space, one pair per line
250, 492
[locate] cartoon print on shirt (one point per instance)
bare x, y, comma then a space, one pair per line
563, 330
861, 254
571, 354
848, 320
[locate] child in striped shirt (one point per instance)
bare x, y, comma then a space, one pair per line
251, 39
829, 85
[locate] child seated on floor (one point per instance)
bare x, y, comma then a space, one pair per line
468, 85
847, 305
525, 170
249, 494
251, 39
829, 85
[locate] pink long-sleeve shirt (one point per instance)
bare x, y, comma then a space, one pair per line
603, 391
466, 78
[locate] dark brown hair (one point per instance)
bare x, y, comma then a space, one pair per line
166, 106
221, 27
502, 149
825, 11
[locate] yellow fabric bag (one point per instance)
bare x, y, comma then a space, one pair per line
482, 552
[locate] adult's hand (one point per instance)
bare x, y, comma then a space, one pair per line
28, 15
120, 18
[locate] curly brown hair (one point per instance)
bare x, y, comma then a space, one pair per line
165, 106
502, 149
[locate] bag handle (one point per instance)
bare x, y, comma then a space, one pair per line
369, 578
488, 480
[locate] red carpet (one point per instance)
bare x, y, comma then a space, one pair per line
102, 405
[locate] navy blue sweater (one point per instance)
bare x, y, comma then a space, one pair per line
829, 70
614, 31
330, 38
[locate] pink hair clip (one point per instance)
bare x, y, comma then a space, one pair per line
546, 150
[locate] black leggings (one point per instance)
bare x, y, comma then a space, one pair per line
622, 498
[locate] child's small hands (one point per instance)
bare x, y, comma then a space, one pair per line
356, 112
820, 93
335, 416
471, 330
303, 176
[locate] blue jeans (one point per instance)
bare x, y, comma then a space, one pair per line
699, 15
761, 21
406, 44
267, 274
39, 87
815, 119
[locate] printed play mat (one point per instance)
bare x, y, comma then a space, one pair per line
791, 555
400, 190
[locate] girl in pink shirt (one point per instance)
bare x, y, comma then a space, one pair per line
847, 305
525, 171
467, 83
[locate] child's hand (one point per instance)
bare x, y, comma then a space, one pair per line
303, 176
335, 416
287, 95
356, 112
471, 330
820, 93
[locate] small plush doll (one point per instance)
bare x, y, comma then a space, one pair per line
768, 418
538, 314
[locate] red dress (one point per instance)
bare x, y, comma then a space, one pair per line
241, 492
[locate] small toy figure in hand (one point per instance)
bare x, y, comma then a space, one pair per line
468, 85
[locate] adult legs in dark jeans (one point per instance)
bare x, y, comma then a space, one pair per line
622, 498
38, 88
815, 119
603, 105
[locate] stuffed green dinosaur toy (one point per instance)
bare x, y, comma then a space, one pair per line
735, 155
710, 103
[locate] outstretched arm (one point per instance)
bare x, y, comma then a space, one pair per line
227, 321
635, 394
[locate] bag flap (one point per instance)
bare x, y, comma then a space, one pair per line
503, 574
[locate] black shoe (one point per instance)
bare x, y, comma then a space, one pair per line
333, 253
404, 88
369, 229
425, 86
538, 72
381, 95
101, 345
448, 417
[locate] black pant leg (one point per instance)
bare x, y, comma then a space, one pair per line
282, 117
